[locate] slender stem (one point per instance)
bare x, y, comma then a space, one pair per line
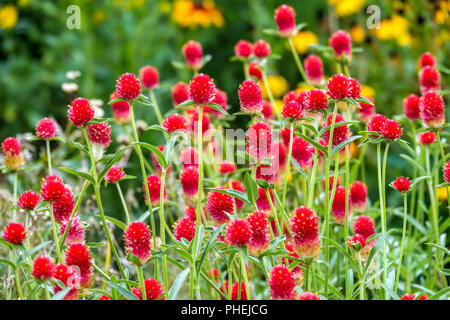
16, 174
297, 60
313, 171
269, 93
246, 74
286, 173
405, 212
124, 204
49, 157
156, 106
306, 280
347, 195
16, 275
55, 235
163, 233
274, 212
244, 273
362, 279
141, 282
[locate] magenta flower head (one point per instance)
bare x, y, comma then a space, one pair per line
46, 128
149, 76
341, 42
305, 230
219, 204
340, 134
120, 109
376, 123
427, 60
184, 228
243, 49
411, 107
12, 153
314, 69
446, 170
128, 86
52, 188
43, 268
238, 232
250, 96
426, 138
193, 54
430, 79
174, 122
76, 231
259, 141
29, 200
432, 110
261, 49
154, 186
338, 206
313, 100
401, 184
180, 93
282, 283
292, 109
100, 134
201, 89
114, 174
358, 196
302, 152
15, 233
260, 237
80, 112
137, 240
338, 87
285, 20
392, 130
366, 110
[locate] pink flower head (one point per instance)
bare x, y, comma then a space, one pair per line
260, 237
154, 186
184, 228
52, 188
338, 206
391, 130
100, 134
219, 204
314, 69
63, 206
308, 296
193, 54
80, 112
338, 87
120, 109
376, 123
128, 86
262, 202
285, 20
446, 170
238, 232
180, 93
77, 254
227, 167
153, 288
137, 240
174, 122
46, 128
341, 42
243, 49
14, 233
282, 283
430, 79
302, 152
114, 174
29, 200
340, 134
432, 110
358, 196
364, 226
254, 70
250, 96
427, 138
427, 60
201, 89
261, 49
43, 268
292, 109
239, 186
401, 184
189, 180
149, 76
366, 110
259, 141
305, 230
189, 157
411, 107
314, 100
76, 231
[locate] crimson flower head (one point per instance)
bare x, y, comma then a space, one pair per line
120, 109
100, 134
261, 49
46, 128
29, 200
227, 167
189, 157
221, 98
354, 88
267, 110
411, 106
305, 230
366, 110
218, 205
285, 20
76, 231
235, 291
184, 228
189, 180
338, 206
338, 87
79, 255
430, 79
391, 130
63, 206
302, 152
114, 174
376, 123
128, 86
358, 196
427, 60
180, 93
52, 188
239, 186
153, 289
282, 283
355, 239
259, 140
314, 100
68, 276
149, 76
14, 233
314, 69
154, 186
43, 267
262, 202
292, 109
254, 70
268, 172
238, 232
286, 136
410, 296
341, 42
193, 52
364, 226
250, 96
201, 89
401, 184
174, 122
260, 237
340, 134
243, 49
446, 170
80, 112
427, 138
12, 152
308, 296
137, 240
104, 297
279, 152
432, 110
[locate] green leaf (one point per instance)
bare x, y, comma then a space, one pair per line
439, 294
116, 158
270, 31
417, 180
208, 246
234, 193
337, 125
124, 292
414, 163
364, 100
156, 127
375, 248
217, 107
83, 175
80, 147
298, 168
185, 254
6, 243
405, 145
316, 144
116, 100
60, 295
177, 283
343, 144
118, 223
34, 249
342, 250
8, 262
159, 155
186, 104
95, 244
446, 251
251, 188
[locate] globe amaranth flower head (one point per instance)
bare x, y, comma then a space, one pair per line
175, 122
77, 254
137, 240
120, 109
43, 268
154, 186
358, 196
14, 233
313, 100
100, 134
238, 291
63, 206
430, 79
76, 230
446, 170
340, 86
12, 153
52, 188
262, 202
250, 96
219, 204
227, 167
239, 186
220, 98
314, 69
259, 230
340, 134
364, 226
201, 89
29, 200
292, 109
238, 232
149, 76
69, 277
401, 184
189, 177
261, 49
128, 86
80, 112
243, 49
302, 152
153, 288
410, 296
254, 70
411, 106
341, 42
282, 283
268, 172
46, 128
193, 54
189, 157
432, 110
338, 206
114, 174
267, 110
366, 110
426, 138
391, 130
427, 60
285, 20
259, 141
308, 296
180, 93
184, 228
305, 230
376, 123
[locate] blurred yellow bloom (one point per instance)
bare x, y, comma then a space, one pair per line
8, 17
367, 91
279, 105
189, 13
23, 3
442, 193
277, 85
443, 13
357, 33
395, 28
303, 87
99, 16
130, 4
302, 39
345, 8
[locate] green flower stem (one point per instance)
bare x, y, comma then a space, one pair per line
124, 204
55, 235
244, 273
347, 194
274, 211
307, 272
246, 74
49, 157
140, 275
269, 93
156, 106
16, 275
312, 181
363, 278
163, 233
16, 175
297, 60
405, 212
286, 174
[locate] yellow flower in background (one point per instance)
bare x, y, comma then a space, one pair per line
442, 193
367, 91
279, 105
99, 16
8, 17
395, 28
302, 39
345, 8
130, 4
188, 13
277, 85
357, 33
303, 87
443, 13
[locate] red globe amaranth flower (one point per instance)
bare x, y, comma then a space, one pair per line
282, 283
221, 98
29, 200
267, 110
308, 296
432, 110
227, 167
338, 206
330, 182
239, 186
427, 138
250, 96
235, 295
401, 184
338, 87
446, 170
292, 109
137, 240
238, 232
103, 297
46, 128
259, 230
354, 88
189, 180
219, 203
340, 134
180, 93
153, 289
114, 174
355, 239
149, 76
358, 196
174, 122
285, 20
78, 255
279, 153
12, 152
391, 130
364, 226
184, 228
52, 188
366, 110
62, 208
80, 112
120, 109
261, 49
297, 271
190, 213
243, 49
286, 136
193, 52
268, 172
302, 152
76, 231
314, 69
69, 278
305, 230
262, 202
341, 42
259, 140
423, 297
100, 133
427, 60
128, 86
430, 79
14, 233
154, 186
254, 70
411, 296
43, 268
194, 121
411, 107
189, 157
376, 123
201, 89
313, 100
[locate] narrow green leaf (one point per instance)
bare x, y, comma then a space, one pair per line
116, 158
217, 107
83, 175
159, 155
118, 223
316, 144
343, 144
178, 283
60, 295
124, 292
234, 193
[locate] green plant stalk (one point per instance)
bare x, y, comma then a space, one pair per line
347, 195
156, 106
313, 171
49, 157
55, 235
124, 204
140, 275
16, 275
246, 74
244, 273
362, 279
307, 271
269, 93
286, 174
297, 60
163, 233
441, 149
405, 212
274, 211
16, 174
